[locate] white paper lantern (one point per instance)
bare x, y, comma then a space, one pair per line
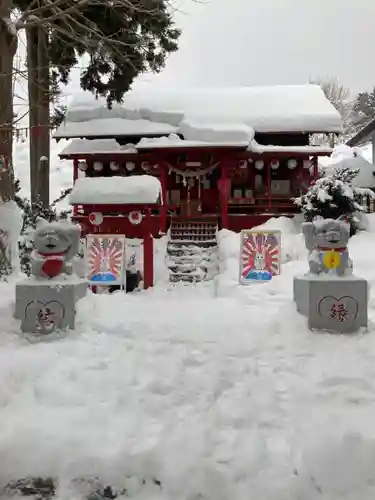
135, 217
243, 164
130, 165
307, 163
98, 166
292, 163
96, 218
275, 164
146, 166
82, 166
259, 164
114, 166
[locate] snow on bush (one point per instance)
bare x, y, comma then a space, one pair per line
333, 196
10, 227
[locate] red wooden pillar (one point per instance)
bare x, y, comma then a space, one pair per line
75, 170
163, 208
224, 183
316, 169
148, 254
75, 177
268, 167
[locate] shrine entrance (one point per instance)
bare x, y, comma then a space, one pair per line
191, 204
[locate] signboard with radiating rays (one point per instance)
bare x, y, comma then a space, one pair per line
259, 255
105, 257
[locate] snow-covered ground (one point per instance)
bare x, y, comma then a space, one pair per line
218, 391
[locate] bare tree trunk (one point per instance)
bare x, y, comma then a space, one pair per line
39, 102
32, 82
8, 48
44, 116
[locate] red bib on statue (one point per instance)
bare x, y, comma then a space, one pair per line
52, 265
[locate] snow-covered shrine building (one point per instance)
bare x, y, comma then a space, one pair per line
229, 158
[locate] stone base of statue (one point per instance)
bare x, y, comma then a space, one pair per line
44, 306
332, 303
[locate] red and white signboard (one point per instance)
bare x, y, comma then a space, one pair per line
105, 259
259, 256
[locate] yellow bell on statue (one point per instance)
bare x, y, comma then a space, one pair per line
331, 259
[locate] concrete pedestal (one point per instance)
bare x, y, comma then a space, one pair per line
332, 303
44, 306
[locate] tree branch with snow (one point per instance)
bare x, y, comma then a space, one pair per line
333, 195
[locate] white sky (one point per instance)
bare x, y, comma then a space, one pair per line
265, 42
255, 42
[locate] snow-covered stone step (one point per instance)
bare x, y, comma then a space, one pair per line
192, 250
208, 241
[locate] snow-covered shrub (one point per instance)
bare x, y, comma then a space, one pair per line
10, 225
332, 196
32, 213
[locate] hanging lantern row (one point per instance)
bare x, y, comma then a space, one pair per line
275, 164
114, 166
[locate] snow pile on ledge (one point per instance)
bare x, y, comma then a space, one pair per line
208, 138
110, 127
116, 190
215, 132
85, 146
346, 157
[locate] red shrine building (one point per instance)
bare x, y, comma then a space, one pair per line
224, 158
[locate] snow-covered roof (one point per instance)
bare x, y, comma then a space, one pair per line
293, 108
137, 189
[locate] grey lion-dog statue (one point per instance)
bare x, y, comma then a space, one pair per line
326, 241
55, 246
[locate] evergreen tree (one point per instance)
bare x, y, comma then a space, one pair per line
363, 109
122, 39
333, 196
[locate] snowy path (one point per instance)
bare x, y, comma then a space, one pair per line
229, 397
